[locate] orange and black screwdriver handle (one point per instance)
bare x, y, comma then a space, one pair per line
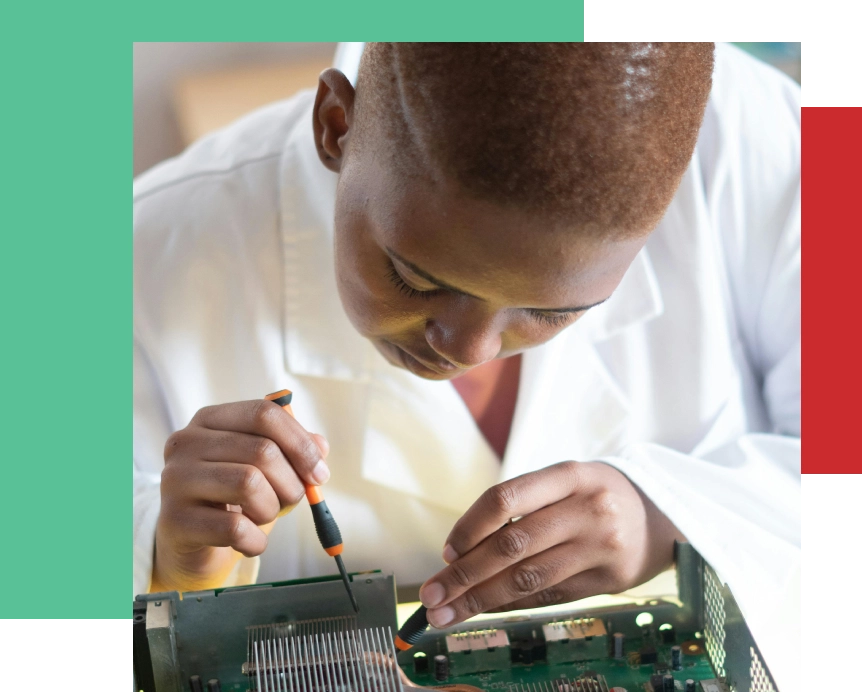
324, 524
412, 630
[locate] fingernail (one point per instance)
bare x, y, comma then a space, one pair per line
449, 554
431, 594
320, 472
442, 616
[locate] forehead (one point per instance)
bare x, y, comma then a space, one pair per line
499, 253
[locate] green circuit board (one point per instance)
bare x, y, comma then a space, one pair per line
628, 673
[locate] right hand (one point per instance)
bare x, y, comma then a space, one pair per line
228, 475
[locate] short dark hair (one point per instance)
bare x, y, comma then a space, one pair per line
598, 133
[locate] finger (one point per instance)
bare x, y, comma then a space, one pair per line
220, 482
542, 571
202, 526
514, 498
322, 444
269, 420
242, 448
508, 545
589, 583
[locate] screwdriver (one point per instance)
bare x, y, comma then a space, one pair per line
414, 627
324, 523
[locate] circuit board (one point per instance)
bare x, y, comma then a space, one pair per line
525, 666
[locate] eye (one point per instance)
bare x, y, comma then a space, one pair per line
406, 288
553, 319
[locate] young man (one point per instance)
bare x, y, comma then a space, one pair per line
598, 244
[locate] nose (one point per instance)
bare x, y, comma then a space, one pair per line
465, 339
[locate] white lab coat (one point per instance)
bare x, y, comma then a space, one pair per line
687, 379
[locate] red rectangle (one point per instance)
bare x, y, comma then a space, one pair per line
831, 289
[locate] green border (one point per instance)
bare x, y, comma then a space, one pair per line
66, 259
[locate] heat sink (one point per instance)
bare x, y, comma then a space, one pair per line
329, 655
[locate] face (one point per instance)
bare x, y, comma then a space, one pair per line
441, 283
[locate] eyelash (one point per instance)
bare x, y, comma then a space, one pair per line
405, 288
553, 320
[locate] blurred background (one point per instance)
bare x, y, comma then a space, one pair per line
184, 90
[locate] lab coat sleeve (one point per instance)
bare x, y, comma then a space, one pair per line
739, 503
151, 429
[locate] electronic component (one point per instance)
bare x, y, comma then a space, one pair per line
656, 682
692, 648
420, 663
527, 650
689, 686
362, 659
713, 686
648, 654
590, 681
196, 684
619, 641
676, 657
213, 685
580, 639
475, 651
441, 667
667, 681
667, 634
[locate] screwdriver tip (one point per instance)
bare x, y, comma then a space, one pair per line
346, 581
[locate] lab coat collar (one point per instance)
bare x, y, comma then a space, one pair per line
319, 340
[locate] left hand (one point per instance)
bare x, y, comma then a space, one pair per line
585, 530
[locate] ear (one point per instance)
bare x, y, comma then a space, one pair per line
333, 117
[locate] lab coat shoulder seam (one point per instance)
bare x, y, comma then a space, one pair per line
206, 173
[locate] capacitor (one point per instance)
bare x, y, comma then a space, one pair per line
689, 686
196, 684
619, 640
676, 658
441, 667
420, 662
213, 685
668, 683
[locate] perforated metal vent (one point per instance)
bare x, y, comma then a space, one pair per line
714, 620
760, 680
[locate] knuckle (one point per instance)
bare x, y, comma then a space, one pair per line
460, 575
550, 596
173, 443
236, 528
308, 449
528, 579
263, 413
512, 542
614, 540
265, 450
603, 506
503, 498
473, 604
249, 480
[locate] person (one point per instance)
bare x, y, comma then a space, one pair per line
551, 282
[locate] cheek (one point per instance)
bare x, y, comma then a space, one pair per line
372, 302
526, 332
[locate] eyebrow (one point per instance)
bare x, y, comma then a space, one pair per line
442, 284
